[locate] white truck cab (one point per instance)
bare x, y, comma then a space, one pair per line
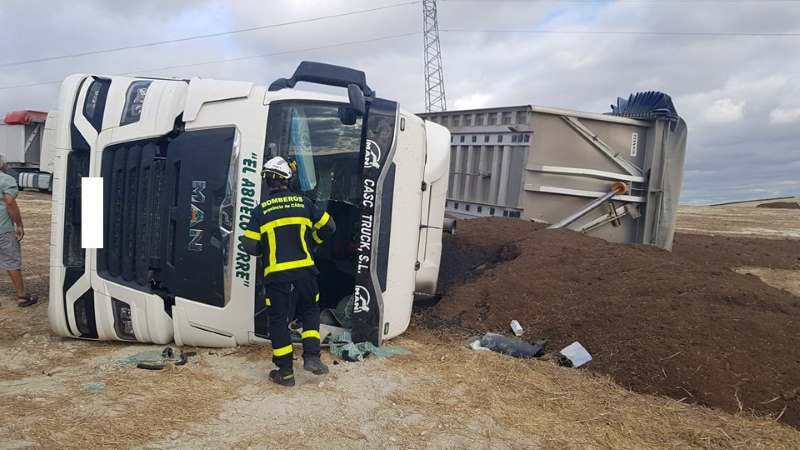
181, 166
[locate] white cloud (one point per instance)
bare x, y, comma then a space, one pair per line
783, 116
572, 60
724, 111
712, 80
476, 100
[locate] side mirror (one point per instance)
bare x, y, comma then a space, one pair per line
281, 83
347, 115
356, 96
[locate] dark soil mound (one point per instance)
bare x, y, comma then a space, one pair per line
730, 252
780, 205
656, 322
471, 250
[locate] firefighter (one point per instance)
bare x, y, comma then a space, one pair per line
284, 230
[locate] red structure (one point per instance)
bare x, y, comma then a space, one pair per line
25, 117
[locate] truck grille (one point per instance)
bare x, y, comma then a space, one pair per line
134, 204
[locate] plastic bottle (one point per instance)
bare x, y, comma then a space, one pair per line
517, 328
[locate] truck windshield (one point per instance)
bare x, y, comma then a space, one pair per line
325, 145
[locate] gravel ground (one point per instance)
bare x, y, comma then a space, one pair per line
63, 393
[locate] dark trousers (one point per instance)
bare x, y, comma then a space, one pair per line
280, 299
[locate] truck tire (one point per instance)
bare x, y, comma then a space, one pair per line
449, 225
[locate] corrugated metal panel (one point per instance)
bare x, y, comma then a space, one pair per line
544, 164
489, 151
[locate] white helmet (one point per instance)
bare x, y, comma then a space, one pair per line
278, 168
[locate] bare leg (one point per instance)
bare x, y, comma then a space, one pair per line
16, 279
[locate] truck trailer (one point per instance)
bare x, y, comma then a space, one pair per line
24, 136
616, 176
181, 165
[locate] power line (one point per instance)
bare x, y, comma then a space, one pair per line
284, 52
227, 60
628, 32
451, 30
622, 1
397, 5
443, 30
209, 35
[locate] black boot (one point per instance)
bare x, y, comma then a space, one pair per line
284, 378
314, 365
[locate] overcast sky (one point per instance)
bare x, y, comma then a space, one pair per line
740, 95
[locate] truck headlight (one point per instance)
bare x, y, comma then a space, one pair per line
134, 100
123, 321
84, 317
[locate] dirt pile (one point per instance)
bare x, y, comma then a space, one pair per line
729, 252
657, 322
780, 205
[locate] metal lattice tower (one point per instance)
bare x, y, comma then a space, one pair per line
434, 76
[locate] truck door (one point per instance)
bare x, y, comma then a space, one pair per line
373, 225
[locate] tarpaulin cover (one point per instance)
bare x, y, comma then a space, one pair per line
645, 106
342, 345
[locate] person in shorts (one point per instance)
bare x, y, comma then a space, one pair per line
11, 233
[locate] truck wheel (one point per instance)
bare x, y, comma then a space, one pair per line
449, 225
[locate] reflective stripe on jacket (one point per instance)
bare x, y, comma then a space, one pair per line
283, 229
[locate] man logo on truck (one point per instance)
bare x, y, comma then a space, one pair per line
361, 299
198, 196
372, 156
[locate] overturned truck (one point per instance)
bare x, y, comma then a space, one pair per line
181, 165
616, 176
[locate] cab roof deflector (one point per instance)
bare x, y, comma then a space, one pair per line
327, 74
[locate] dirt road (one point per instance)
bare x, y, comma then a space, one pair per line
59, 393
